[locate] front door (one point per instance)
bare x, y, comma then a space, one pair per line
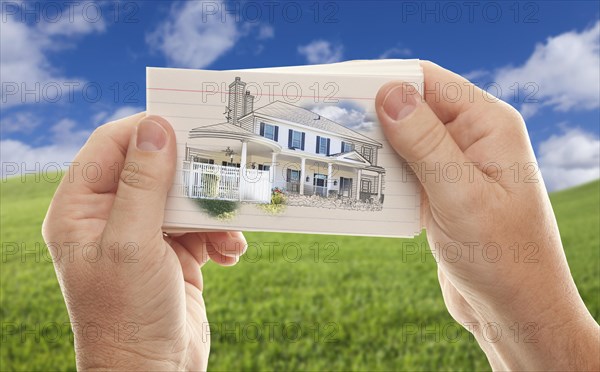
293, 180
346, 187
320, 184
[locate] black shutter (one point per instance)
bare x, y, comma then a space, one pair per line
342, 149
288, 175
262, 129
328, 145
317, 149
290, 138
303, 138
276, 133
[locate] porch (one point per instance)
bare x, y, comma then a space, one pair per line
219, 182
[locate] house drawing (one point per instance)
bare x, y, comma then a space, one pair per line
282, 146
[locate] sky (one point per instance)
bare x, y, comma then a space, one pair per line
67, 67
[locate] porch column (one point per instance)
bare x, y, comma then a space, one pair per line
243, 161
329, 177
302, 175
358, 177
273, 169
379, 185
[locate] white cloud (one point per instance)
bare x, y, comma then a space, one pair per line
266, 32
569, 159
349, 117
123, 112
66, 142
564, 69
21, 122
192, 37
24, 49
18, 157
396, 52
321, 51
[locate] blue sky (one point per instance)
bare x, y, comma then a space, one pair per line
105, 47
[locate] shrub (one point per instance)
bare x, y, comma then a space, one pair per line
277, 198
222, 209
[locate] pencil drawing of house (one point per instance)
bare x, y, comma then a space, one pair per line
281, 146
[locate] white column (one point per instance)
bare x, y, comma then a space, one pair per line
358, 177
329, 177
273, 169
302, 175
243, 160
379, 186
191, 180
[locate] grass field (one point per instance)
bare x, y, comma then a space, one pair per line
294, 302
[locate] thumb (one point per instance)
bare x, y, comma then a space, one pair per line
418, 135
138, 209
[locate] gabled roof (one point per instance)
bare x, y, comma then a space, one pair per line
285, 111
220, 127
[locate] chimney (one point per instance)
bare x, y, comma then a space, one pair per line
248, 103
236, 100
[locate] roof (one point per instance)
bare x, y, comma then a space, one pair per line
285, 111
221, 127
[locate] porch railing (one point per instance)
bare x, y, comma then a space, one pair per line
210, 181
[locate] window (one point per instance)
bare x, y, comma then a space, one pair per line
264, 167
197, 159
322, 145
347, 146
367, 152
269, 131
228, 164
365, 185
296, 140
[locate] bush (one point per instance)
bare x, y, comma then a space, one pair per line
223, 209
277, 198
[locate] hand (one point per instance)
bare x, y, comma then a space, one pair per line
134, 296
483, 201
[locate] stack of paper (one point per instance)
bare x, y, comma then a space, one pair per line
286, 149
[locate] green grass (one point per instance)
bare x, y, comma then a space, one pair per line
347, 303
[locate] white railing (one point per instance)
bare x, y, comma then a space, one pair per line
210, 181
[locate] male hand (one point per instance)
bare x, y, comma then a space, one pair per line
489, 222
134, 296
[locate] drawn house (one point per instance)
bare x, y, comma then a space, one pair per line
279, 145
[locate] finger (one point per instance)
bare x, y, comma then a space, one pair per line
229, 243
189, 265
418, 135
93, 169
138, 209
199, 245
448, 94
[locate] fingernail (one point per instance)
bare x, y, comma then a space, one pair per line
400, 102
151, 136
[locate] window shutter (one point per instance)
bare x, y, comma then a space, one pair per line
343, 143
328, 145
262, 129
276, 133
317, 148
289, 138
303, 138
288, 175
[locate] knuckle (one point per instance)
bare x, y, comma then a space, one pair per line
427, 142
140, 178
